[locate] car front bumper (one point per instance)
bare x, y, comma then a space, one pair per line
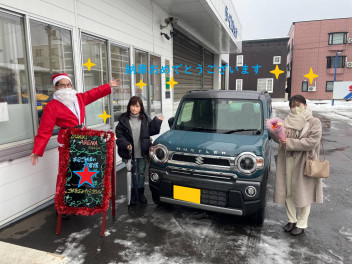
223, 194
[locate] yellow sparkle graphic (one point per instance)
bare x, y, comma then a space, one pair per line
172, 82
277, 71
89, 64
141, 84
311, 75
105, 116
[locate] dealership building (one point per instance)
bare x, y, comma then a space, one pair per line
187, 40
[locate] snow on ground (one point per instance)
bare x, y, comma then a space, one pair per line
192, 237
73, 248
121, 199
347, 232
341, 110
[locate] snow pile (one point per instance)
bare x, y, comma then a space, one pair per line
318, 105
340, 111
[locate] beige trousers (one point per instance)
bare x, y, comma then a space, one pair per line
303, 212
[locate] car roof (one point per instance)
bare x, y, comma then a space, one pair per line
228, 94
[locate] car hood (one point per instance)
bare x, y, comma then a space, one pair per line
212, 143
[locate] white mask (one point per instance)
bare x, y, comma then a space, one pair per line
298, 110
66, 96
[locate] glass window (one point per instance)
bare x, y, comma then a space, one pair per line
265, 84
337, 38
95, 50
141, 63
329, 86
277, 60
331, 62
52, 54
186, 112
17, 125
261, 84
220, 116
155, 85
269, 85
239, 84
304, 86
120, 57
239, 60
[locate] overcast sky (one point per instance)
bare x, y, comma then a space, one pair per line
273, 18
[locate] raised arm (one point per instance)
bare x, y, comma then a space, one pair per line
99, 92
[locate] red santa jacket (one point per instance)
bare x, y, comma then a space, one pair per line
56, 113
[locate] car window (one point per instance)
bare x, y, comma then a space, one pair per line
186, 112
220, 116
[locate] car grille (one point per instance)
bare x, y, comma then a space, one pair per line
201, 173
201, 160
212, 197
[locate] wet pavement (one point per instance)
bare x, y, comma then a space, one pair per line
172, 234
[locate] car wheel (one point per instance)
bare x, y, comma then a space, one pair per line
156, 198
259, 216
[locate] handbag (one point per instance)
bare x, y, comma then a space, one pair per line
317, 168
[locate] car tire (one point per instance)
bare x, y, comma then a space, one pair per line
156, 198
259, 216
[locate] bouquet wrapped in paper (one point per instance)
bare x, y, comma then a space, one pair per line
276, 127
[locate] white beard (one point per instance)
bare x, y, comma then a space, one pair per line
67, 96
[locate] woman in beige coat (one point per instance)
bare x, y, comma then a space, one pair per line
292, 188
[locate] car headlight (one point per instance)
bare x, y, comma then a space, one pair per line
159, 153
247, 163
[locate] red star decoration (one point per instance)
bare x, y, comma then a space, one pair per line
86, 176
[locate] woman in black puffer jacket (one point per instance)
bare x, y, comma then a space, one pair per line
133, 133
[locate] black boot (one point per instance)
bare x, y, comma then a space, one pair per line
142, 198
133, 197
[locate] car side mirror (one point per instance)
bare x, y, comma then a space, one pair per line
171, 121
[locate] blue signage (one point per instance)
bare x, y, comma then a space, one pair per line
228, 17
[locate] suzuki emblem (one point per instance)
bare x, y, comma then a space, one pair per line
199, 160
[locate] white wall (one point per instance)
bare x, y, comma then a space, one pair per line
24, 187
130, 22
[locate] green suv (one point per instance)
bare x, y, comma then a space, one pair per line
216, 155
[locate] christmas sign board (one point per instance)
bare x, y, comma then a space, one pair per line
85, 185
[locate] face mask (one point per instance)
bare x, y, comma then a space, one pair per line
297, 110
300, 109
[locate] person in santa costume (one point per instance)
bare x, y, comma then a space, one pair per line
65, 110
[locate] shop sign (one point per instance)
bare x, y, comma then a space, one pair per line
232, 26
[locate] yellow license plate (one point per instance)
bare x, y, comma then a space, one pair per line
187, 194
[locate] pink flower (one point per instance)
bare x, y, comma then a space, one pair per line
276, 127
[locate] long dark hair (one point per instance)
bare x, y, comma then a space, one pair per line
133, 101
297, 98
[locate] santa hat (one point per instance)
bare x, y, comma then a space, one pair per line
58, 77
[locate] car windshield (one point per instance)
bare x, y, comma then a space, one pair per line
225, 116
